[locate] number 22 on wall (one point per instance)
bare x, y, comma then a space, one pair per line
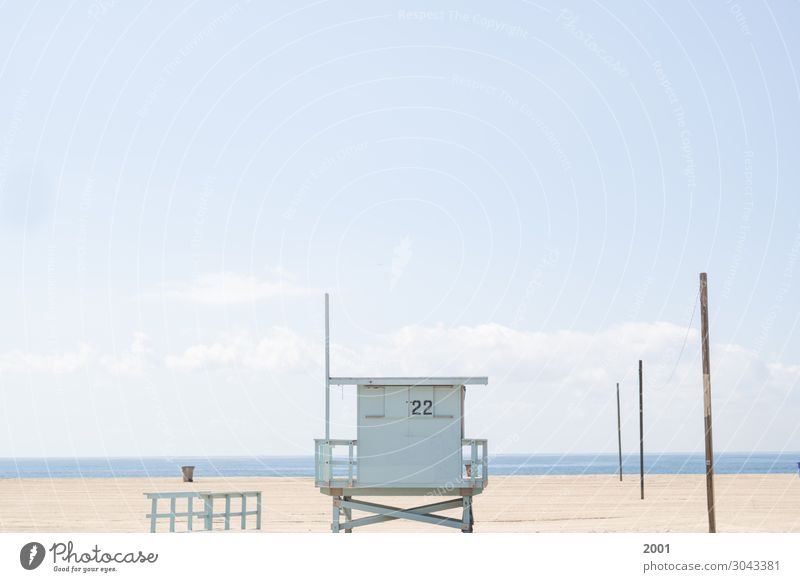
421, 407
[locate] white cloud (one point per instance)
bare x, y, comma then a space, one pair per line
54, 363
551, 391
548, 391
514, 355
585, 362
228, 288
133, 361
279, 349
130, 362
581, 361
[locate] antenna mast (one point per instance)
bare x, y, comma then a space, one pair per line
327, 371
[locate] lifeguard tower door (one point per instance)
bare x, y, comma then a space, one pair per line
410, 436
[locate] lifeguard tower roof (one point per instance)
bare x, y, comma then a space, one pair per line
411, 381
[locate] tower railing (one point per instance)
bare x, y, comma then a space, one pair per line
475, 465
331, 471
342, 471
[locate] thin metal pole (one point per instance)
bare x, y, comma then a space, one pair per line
712, 519
327, 371
619, 434
641, 432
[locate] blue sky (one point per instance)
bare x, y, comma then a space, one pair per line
527, 191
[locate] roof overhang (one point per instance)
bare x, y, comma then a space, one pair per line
412, 381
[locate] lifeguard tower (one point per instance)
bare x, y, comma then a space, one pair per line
410, 442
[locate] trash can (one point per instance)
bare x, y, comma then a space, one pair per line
188, 473
798, 469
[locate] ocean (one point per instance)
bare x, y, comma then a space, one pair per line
303, 466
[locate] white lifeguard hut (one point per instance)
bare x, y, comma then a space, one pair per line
410, 442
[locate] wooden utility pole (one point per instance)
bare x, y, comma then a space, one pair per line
619, 435
712, 520
641, 432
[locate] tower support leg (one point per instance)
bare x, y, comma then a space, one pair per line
467, 520
348, 515
337, 502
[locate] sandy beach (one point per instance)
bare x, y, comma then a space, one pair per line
673, 503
